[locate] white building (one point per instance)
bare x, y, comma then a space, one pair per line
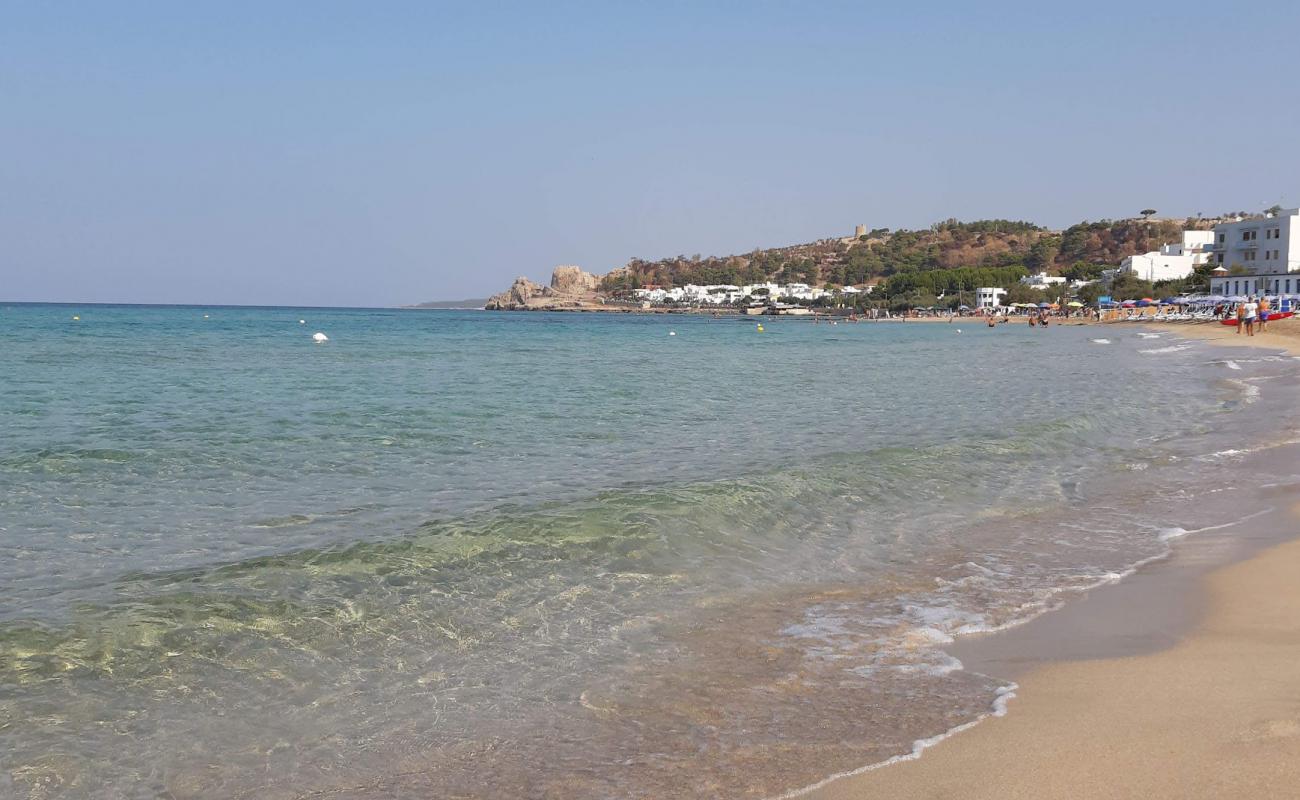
721, 293
1263, 253
989, 296
1171, 261
1041, 280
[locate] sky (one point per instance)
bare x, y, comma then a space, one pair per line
376, 154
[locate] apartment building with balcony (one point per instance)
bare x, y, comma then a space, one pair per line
1258, 256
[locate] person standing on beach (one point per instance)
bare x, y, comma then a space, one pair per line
1241, 317
1250, 309
1263, 312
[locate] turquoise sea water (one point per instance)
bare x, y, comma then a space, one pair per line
474, 554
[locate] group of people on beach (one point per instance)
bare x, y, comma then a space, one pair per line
1250, 311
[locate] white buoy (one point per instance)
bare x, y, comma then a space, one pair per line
319, 337
302, 322
205, 316
672, 333
959, 330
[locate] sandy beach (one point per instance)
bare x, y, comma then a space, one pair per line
1214, 716
1178, 683
1283, 334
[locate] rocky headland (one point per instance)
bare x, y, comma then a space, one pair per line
570, 289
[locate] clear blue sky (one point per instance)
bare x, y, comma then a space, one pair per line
384, 153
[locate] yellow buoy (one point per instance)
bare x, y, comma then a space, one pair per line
75, 317
760, 328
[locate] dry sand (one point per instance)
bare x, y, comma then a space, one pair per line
1216, 716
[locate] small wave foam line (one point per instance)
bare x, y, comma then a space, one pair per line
1178, 533
1249, 391
1002, 696
1233, 452
1173, 348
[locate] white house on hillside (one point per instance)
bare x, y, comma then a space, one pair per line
1171, 261
1264, 252
1041, 280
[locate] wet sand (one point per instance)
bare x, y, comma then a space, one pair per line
1179, 682
1217, 715
1282, 334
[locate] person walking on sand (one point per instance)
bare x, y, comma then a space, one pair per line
1263, 312
1250, 310
1241, 317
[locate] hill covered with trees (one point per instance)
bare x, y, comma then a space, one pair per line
948, 256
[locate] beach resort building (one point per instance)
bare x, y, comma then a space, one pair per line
1257, 256
989, 296
1171, 261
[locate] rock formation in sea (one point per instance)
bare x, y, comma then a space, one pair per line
570, 287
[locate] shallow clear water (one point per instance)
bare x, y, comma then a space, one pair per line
558, 555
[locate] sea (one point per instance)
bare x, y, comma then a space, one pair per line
465, 554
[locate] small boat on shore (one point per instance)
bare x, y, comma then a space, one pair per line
1273, 316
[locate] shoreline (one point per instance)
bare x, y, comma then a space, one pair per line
1167, 663
1216, 710
1282, 334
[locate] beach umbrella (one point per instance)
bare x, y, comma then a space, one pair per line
1143, 303
1172, 301
1074, 304
1129, 303
963, 308
1041, 305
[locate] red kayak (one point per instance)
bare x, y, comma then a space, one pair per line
1272, 316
